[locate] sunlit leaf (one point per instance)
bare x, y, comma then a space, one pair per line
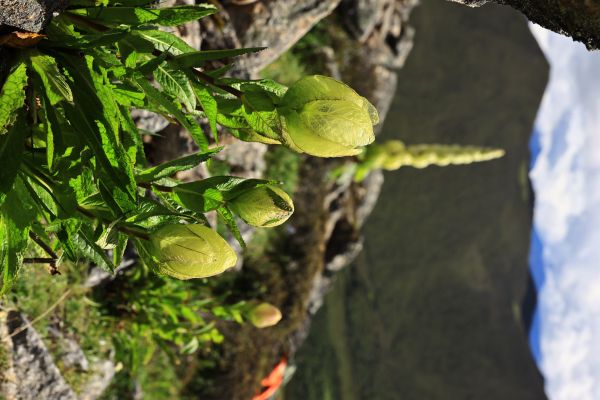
12, 96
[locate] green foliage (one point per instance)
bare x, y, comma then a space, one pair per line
85, 186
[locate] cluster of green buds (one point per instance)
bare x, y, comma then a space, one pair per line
394, 154
326, 118
195, 250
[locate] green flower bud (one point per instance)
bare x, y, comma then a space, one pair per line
264, 315
263, 206
326, 118
191, 251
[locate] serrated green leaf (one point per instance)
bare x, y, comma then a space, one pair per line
255, 113
151, 214
176, 83
209, 105
269, 86
132, 141
229, 219
119, 249
49, 125
54, 82
154, 95
12, 96
86, 247
127, 96
198, 58
96, 115
171, 16
11, 151
83, 184
171, 167
164, 41
16, 216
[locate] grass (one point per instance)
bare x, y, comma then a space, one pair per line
34, 293
4, 364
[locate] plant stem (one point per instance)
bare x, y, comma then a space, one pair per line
43, 245
38, 260
124, 229
212, 81
52, 270
160, 188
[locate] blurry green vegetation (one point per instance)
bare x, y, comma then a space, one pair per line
287, 69
80, 317
153, 325
4, 364
283, 165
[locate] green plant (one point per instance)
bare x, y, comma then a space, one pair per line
75, 181
394, 154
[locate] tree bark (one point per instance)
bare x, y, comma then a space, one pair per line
579, 19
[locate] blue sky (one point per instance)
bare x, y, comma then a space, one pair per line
565, 252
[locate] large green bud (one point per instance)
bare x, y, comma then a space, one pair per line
190, 251
326, 118
263, 206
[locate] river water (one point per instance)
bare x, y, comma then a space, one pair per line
433, 307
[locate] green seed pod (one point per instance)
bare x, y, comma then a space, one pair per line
326, 118
264, 315
263, 206
191, 251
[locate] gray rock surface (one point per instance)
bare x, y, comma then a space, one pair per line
277, 25
32, 373
578, 19
361, 16
104, 371
71, 355
28, 15
385, 40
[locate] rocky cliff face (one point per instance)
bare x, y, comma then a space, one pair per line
578, 19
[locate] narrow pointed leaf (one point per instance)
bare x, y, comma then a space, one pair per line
171, 16
176, 83
55, 83
171, 167
229, 219
161, 100
198, 58
11, 151
164, 41
209, 105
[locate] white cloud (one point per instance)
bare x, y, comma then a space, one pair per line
566, 180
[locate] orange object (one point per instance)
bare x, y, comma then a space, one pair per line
21, 39
273, 381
